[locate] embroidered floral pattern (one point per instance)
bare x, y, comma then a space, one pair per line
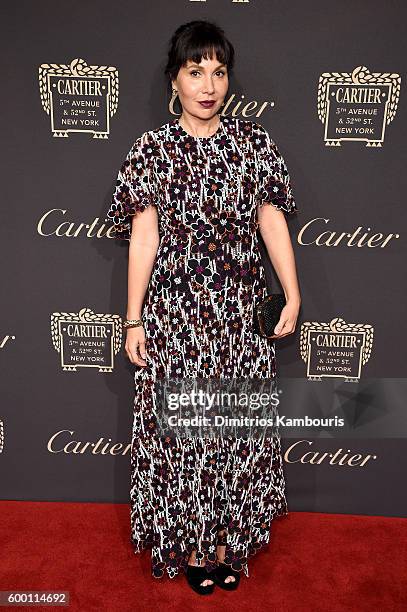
198, 321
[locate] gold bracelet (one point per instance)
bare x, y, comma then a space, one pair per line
132, 323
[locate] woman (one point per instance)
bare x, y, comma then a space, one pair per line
189, 197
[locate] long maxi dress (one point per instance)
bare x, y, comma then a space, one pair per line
198, 313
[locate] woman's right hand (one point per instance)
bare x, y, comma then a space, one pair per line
136, 345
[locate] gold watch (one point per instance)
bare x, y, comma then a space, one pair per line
132, 323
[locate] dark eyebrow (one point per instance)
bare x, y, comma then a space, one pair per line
200, 66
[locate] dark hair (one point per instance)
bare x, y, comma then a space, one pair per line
194, 40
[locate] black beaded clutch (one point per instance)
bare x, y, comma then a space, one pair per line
267, 314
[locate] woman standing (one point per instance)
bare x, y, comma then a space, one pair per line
189, 197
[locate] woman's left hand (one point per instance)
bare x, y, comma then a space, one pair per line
288, 319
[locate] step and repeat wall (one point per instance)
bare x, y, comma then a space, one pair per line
81, 82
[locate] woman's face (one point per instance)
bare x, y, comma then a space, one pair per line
198, 83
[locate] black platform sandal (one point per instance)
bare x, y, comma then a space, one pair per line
221, 573
223, 570
196, 574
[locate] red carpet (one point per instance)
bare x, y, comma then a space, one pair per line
314, 562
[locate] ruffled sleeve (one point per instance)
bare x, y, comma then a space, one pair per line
274, 183
134, 189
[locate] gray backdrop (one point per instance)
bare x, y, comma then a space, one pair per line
52, 176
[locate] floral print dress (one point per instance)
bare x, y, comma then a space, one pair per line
198, 314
